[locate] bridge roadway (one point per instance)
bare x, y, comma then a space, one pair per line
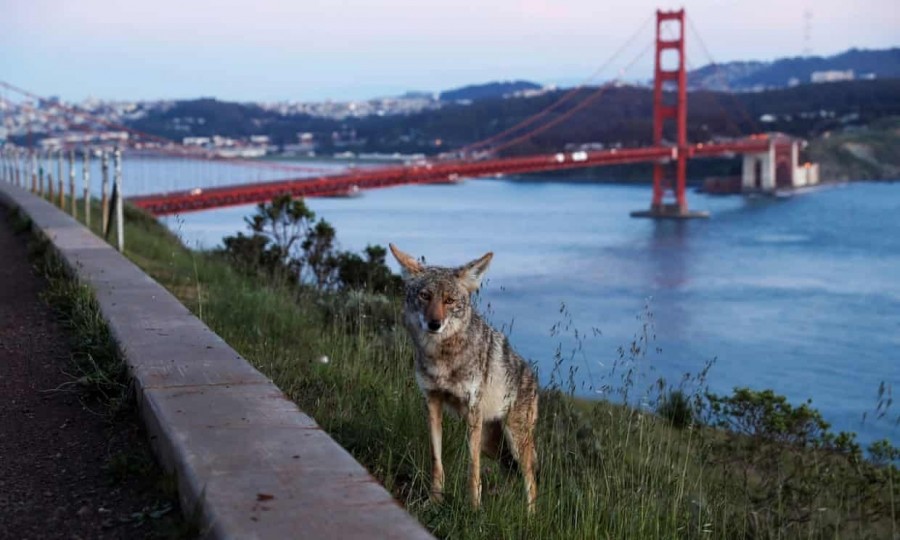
425, 173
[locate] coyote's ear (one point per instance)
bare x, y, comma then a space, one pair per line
471, 273
407, 262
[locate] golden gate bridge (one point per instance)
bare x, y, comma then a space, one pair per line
769, 161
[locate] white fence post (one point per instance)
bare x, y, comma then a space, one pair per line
73, 209
86, 174
60, 182
120, 214
104, 189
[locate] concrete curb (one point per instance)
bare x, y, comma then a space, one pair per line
244, 455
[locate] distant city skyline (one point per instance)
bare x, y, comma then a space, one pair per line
311, 50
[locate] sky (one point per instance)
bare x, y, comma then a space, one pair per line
313, 50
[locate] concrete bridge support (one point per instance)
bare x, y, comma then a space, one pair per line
758, 172
773, 169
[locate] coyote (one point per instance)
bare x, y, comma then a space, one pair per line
464, 364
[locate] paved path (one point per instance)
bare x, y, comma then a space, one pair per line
53, 449
247, 460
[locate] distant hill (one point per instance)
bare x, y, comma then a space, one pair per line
488, 90
622, 117
882, 64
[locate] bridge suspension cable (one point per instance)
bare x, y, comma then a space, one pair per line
751, 122
570, 94
732, 127
597, 94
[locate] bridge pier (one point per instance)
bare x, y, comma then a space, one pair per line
777, 168
669, 211
758, 171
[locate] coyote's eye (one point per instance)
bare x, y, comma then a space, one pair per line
449, 301
425, 295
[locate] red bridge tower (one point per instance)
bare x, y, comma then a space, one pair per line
667, 110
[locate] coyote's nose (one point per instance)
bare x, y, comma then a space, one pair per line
434, 325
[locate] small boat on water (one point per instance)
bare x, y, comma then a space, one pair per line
451, 179
352, 191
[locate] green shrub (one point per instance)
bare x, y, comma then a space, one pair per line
792, 475
676, 407
286, 244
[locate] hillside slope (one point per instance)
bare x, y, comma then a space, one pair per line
870, 153
742, 75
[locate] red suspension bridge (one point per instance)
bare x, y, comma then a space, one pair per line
769, 161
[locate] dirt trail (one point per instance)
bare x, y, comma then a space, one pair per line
54, 451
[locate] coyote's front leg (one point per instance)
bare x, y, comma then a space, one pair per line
475, 423
435, 415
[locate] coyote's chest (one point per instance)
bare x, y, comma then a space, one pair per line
466, 381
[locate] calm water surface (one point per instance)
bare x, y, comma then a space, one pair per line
799, 295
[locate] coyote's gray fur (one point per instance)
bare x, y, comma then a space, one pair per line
464, 364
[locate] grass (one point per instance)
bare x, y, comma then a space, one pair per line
606, 471
869, 153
